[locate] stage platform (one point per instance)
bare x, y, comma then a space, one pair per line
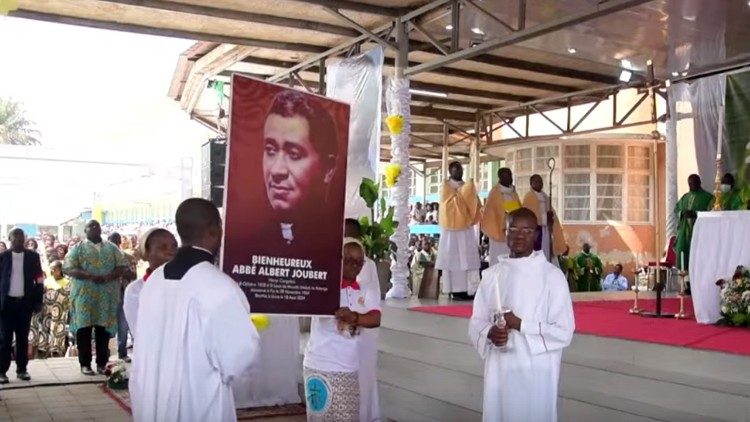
428, 371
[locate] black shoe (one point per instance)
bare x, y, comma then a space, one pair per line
24, 376
100, 370
4, 379
126, 359
86, 370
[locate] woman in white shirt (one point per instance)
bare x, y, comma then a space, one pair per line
332, 359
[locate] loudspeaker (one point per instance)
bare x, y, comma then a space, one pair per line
213, 168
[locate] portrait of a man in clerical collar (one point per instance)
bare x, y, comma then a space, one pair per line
300, 149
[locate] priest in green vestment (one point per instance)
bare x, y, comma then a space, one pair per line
687, 209
731, 196
569, 267
590, 270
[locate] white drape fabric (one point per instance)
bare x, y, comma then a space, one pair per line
720, 243
357, 81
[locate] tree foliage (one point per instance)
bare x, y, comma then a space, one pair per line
15, 128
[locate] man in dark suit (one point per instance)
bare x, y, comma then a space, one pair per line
21, 291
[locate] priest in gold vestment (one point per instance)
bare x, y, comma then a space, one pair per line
458, 254
539, 202
501, 201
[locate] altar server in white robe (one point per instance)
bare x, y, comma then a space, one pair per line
369, 401
194, 335
522, 358
458, 254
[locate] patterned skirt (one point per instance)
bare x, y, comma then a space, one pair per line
48, 328
331, 396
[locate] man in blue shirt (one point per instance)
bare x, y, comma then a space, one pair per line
615, 281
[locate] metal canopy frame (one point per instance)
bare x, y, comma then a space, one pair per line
485, 120
483, 110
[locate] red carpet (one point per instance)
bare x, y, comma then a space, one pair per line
611, 319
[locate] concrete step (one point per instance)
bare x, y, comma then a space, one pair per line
403, 405
585, 405
422, 363
701, 363
703, 397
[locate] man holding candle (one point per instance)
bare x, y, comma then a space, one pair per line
687, 208
522, 355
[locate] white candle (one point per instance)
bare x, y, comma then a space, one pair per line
497, 296
682, 260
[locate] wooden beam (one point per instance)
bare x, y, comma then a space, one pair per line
450, 102
442, 114
163, 32
356, 6
493, 60
237, 15
448, 89
494, 78
446, 71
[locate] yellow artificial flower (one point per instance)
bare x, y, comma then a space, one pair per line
261, 321
395, 123
391, 172
7, 6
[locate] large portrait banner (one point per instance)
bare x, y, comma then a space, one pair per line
284, 197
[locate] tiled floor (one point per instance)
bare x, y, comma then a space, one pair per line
49, 371
59, 392
84, 402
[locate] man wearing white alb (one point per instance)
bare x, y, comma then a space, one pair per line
521, 321
458, 254
195, 338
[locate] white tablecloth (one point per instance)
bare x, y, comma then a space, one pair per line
721, 242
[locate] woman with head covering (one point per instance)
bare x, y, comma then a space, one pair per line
48, 332
332, 356
157, 247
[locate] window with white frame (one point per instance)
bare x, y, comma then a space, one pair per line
610, 157
639, 184
434, 181
609, 196
577, 157
412, 183
577, 197
598, 181
485, 178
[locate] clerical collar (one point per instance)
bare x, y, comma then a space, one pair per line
286, 232
186, 258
